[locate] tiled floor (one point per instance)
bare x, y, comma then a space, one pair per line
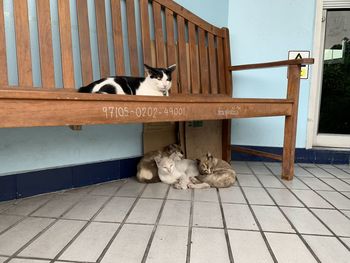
260, 219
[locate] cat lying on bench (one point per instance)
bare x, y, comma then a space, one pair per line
156, 83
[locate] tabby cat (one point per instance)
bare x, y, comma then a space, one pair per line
147, 171
156, 83
215, 172
179, 173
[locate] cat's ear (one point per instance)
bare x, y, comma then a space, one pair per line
157, 159
171, 68
209, 156
150, 70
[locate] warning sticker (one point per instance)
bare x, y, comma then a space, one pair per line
300, 54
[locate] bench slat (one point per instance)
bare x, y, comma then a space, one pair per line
203, 61
221, 65
84, 41
24, 61
102, 38
66, 44
45, 43
227, 57
171, 48
212, 65
195, 87
3, 61
145, 31
158, 30
134, 61
181, 44
117, 37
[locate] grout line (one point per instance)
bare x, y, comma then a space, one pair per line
229, 249
312, 212
86, 224
121, 225
46, 228
288, 220
148, 247
258, 224
190, 225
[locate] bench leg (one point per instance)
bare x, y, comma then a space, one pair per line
290, 126
289, 148
226, 140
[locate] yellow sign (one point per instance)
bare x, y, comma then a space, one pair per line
296, 54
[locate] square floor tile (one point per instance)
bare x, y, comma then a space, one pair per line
316, 184
239, 217
8, 220
178, 194
176, 213
205, 251
312, 199
157, 190
259, 169
86, 208
336, 221
207, 214
289, 248
337, 184
90, 243
208, 195
28, 205
108, 189
19, 235
57, 206
338, 200
305, 222
243, 243
248, 180
115, 210
257, 196
318, 172
131, 188
241, 168
296, 183
283, 197
146, 211
169, 245
339, 173
301, 172
121, 248
271, 219
270, 181
51, 242
21, 260
328, 249
232, 195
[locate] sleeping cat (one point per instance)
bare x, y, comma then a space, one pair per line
179, 173
215, 172
156, 83
147, 171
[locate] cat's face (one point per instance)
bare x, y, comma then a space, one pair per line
206, 164
160, 78
165, 165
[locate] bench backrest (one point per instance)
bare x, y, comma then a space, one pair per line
128, 33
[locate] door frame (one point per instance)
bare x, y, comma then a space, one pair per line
313, 138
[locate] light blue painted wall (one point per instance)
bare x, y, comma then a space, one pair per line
264, 31
28, 149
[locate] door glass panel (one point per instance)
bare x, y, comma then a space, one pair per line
335, 98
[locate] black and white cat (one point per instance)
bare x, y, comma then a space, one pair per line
156, 83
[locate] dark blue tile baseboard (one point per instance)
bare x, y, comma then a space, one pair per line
301, 155
39, 182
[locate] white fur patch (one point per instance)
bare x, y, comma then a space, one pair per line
145, 174
108, 81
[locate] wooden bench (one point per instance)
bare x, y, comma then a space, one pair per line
202, 84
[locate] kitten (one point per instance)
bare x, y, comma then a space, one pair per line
147, 171
215, 172
179, 173
156, 83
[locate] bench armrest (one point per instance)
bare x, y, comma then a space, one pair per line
273, 64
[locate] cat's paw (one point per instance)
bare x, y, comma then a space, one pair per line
179, 186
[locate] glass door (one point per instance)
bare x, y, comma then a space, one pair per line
334, 109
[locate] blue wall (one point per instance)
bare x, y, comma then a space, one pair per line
264, 31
